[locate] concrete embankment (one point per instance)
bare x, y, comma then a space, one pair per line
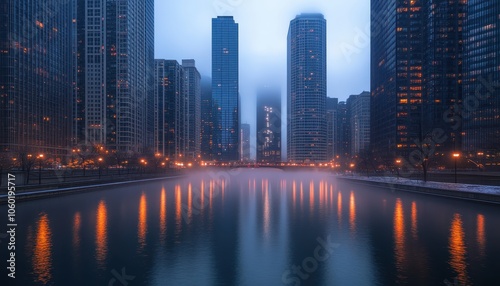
74, 187
486, 197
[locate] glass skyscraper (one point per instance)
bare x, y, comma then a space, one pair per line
171, 108
481, 108
397, 59
306, 98
193, 96
269, 126
114, 105
225, 92
36, 77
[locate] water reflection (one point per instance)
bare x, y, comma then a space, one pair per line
190, 203
267, 208
352, 213
311, 197
101, 238
76, 230
42, 254
339, 207
399, 239
458, 250
481, 236
414, 220
163, 215
142, 227
178, 210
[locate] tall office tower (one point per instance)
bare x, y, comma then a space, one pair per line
306, 98
225, 93
481, 106
245, 142
342, 143
36, 78
443, 73
397, 58
269, 126
171, 108
206, 119
331, 127
114, 105
193, 94
358, 107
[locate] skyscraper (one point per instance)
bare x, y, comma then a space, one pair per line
225, 92
269, 126
245, 142
207, 125
443, 73
481, 106
114, 105
358, 107
343, 139
397, 59
36, 78
171, 107
306, 98
331, 127
193, 96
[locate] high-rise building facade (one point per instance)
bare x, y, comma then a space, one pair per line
207, 125
268, 126
171, 106
36, 78
358, 107
306, 98
481, 108
443, 73
225, 89
342, 142
193, 97
245, 142
331, 127
114, 104
397, 59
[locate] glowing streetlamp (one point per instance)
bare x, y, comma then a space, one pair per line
398, 162
40, 158
99, 160
455, 157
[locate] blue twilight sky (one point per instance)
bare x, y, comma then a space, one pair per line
183, 31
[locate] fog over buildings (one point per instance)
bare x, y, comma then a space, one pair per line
183, 31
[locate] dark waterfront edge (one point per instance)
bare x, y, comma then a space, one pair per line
81, 187
463, 195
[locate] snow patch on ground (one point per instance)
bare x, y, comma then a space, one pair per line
482, 189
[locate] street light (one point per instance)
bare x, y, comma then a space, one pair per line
455, 157
40, 158
99, 162
398, 161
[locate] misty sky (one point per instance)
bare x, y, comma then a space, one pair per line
183, 31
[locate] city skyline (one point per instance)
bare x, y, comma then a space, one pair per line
263, 30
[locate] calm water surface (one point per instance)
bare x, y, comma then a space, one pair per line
254, 227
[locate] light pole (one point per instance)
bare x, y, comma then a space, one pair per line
40, 158
455, 157
398, 161
100, 162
